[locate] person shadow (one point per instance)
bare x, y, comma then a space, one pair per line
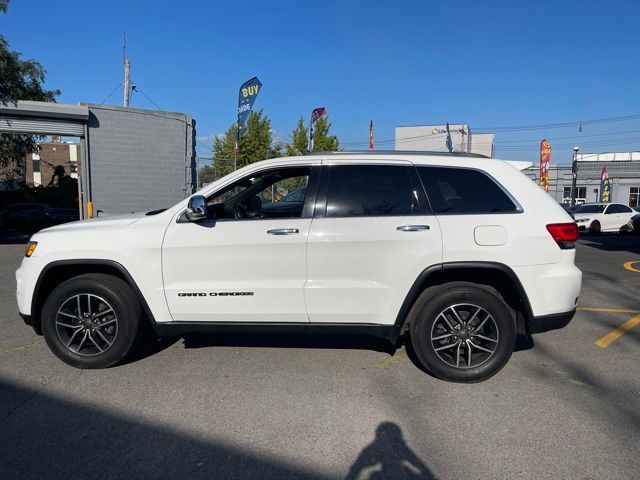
388, 457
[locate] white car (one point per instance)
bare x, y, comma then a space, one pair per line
458, 252
603, 217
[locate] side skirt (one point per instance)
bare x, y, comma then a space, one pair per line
164, 329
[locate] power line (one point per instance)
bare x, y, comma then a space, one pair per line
148, 98
112, 92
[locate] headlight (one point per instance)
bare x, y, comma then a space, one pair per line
31, 247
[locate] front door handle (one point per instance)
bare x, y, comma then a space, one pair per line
412, 228
283, 231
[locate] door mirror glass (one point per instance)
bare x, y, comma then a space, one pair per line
196, 209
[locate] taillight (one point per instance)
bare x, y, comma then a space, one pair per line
565, 234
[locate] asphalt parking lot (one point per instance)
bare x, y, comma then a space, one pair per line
233, 406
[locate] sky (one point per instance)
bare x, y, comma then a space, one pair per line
485, 63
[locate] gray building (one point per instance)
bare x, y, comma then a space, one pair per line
129, 159
433, 138
624, 178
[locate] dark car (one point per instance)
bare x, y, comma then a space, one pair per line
56, 216
635, 222
22, 215
568, 208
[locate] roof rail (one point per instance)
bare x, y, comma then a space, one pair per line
402, 152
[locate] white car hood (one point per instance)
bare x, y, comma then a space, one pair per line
107, 221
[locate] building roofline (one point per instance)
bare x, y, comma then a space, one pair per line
45, 109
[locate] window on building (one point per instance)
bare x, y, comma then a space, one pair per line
74, 167
463, 191
581, 194
36, 166
634, 197
370, 191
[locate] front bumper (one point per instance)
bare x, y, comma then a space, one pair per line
554, 321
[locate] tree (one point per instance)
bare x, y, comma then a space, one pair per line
206, 174
299, 140
256, 143
322, 141
19, 80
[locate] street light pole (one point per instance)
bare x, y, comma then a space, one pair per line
574, 172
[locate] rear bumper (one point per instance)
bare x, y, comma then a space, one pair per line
555, 321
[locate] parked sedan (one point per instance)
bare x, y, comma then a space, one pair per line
22, 215
603, 217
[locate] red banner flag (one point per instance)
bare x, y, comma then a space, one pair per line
317, 113
371, 135
545, 159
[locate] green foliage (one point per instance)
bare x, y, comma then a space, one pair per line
256, 143
299, 140
19, 80
206, 174
322, 141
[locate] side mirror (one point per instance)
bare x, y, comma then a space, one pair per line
196, 209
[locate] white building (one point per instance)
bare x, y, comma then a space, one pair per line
434, 138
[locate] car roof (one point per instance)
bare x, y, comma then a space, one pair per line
460, 159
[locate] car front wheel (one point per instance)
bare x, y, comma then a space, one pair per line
462, 332
91, 321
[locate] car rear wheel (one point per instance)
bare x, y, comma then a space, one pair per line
91, 321
462, 332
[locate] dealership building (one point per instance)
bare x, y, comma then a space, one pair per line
623, 168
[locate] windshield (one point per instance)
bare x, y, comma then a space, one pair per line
590, 209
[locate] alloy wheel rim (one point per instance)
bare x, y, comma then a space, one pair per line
464, 336
86, 324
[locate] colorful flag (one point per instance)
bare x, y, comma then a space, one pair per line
315, 116
545, 159
605, 189
246, 97
371, 135
317, 113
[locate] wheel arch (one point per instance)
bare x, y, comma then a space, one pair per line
56, 272
492, 274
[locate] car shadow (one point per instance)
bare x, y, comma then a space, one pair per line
612, 242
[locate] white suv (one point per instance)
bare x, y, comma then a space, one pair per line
459, 252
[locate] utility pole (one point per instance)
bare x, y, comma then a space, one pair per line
127, 70
574, 172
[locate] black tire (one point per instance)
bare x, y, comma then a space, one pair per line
595, 227
101, 290
425, 319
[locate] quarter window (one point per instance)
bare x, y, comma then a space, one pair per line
463, 191
370, 191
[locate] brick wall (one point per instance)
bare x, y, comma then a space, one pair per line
51, 155
140, 159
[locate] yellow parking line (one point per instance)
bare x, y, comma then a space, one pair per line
629, 266
612, 336
606, 310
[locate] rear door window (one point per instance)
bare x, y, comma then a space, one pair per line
370, 191
460, 191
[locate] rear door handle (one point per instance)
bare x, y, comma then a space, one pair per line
412, 228
283, 231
